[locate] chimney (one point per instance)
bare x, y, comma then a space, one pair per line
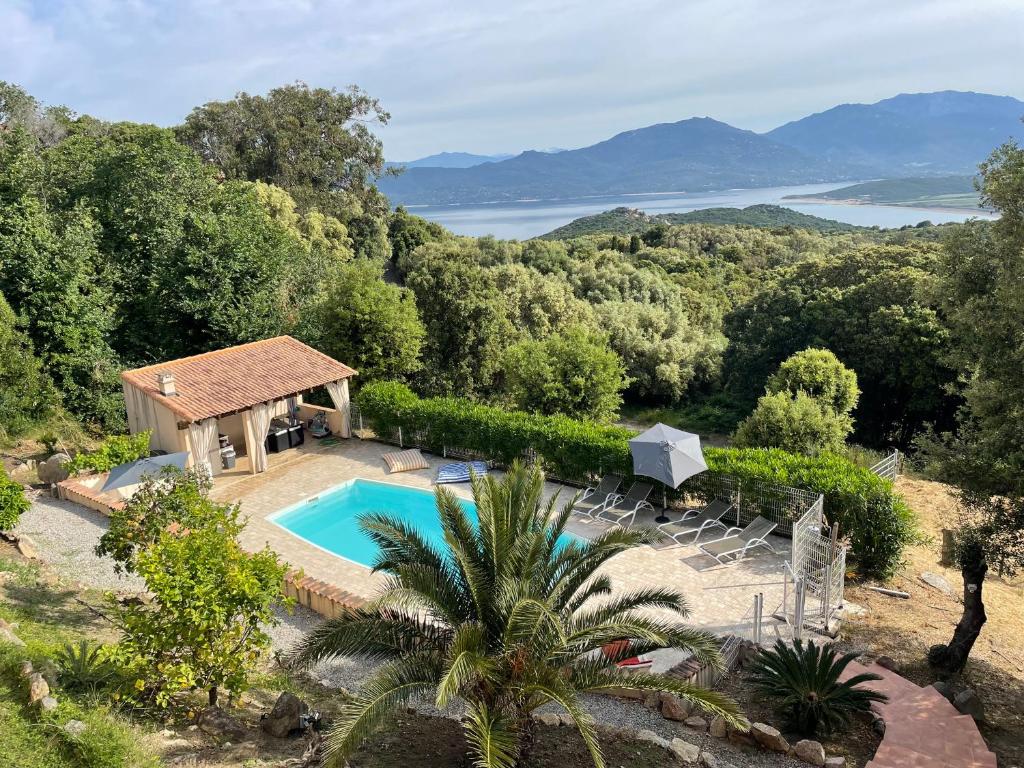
165, 383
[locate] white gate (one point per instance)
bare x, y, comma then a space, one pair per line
815, 578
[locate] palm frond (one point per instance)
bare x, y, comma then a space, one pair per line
469, 661
492, 736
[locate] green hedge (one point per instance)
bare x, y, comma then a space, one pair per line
113, 451
875, 519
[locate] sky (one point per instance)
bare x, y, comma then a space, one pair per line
489, 77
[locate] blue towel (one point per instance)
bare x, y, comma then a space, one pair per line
459, 471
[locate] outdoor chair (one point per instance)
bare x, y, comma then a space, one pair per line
594, 499
620, 508
738, 541
615, 649
697, 521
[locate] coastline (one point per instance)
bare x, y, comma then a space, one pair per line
984, 212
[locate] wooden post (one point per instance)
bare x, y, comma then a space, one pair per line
948, 555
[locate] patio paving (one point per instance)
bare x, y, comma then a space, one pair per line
718, 595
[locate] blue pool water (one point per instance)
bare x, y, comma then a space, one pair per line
330, 520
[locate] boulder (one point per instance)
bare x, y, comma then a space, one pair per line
937, 582
215, 722
835, 762
285, 716
549, 718
74, 728
945, 689
653, 700
708, 760
27, 548
878, 725
7, 635
888, 663
719, 728
38, 688
566, 720
768, 737
25, 669
52, 470
674, 708
695, 721
968, 702
741, 736
810, 752
684, 751
653, 738
47, 703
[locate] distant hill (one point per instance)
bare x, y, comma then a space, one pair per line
452, 160
923, 134
945, 191
695, 154
911, 134
630, 221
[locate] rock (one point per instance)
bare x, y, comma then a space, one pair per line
27, 548
653, 700
694, 721
708, 760
53, 470
674, 708
285, 716
719, 728
653, 738
175, 744
741, 736
810, 752
38, 688
167, 733
888, 663
549, 718
968, 702
565, 719
935, 581
878, 725
945, 689
25, 669
215, 722
74, 728
7, 635
769, 737
835, 762
47, 703
851, 608
684, 751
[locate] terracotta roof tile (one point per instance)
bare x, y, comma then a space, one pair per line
229, 380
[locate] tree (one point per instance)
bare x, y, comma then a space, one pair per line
796, 423
573, 372
507, 621
818, 373
370, 324
983, 296
211, 599
26, 395
406, 233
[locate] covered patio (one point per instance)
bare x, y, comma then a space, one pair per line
240, 410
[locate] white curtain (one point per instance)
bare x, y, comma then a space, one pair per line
338, 390
257, 423
203, 435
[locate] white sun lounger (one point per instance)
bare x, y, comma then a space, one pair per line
738, 541
619, 508
697, 521
594, 499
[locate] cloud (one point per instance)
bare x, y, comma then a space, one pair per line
486, 76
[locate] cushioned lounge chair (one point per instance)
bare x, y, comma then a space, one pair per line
593, 499
696, 521
738, 541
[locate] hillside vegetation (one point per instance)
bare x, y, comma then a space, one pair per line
949, 191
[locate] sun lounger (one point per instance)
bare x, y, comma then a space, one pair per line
593, 499
620, 508
697, 521
613, 650
738, 541
459, 471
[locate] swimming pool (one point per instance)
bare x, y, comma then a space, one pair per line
330, 520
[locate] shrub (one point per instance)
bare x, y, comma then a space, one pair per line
796, 423
876, 520
12, 501
804, 682
114, 450
83, 667
106, 743
819, 374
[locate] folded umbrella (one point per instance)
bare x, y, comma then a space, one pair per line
135, 472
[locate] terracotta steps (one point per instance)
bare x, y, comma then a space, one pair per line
922, 729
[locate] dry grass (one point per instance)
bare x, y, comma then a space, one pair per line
905, 629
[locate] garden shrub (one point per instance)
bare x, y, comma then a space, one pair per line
114, 450
876, 520
796, 423
12, 501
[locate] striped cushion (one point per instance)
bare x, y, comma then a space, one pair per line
458, 472
403, 461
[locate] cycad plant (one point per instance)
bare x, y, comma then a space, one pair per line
83, 667
506, 617
804, 681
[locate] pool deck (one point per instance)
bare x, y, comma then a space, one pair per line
718, 595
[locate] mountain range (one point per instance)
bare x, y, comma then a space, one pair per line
947, 132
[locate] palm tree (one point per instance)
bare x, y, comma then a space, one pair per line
507, 618
805, 681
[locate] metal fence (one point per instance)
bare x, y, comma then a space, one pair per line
890, 467
814, 585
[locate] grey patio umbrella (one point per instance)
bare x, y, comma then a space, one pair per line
135, 471
667, 454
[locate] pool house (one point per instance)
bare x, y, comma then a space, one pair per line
240, 409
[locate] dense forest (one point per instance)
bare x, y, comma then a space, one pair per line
123, 244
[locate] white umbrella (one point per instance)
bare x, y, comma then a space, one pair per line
133, 472
667, 454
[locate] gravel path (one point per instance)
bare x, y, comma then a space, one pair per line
65, 535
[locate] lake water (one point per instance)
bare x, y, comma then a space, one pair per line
528, 219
